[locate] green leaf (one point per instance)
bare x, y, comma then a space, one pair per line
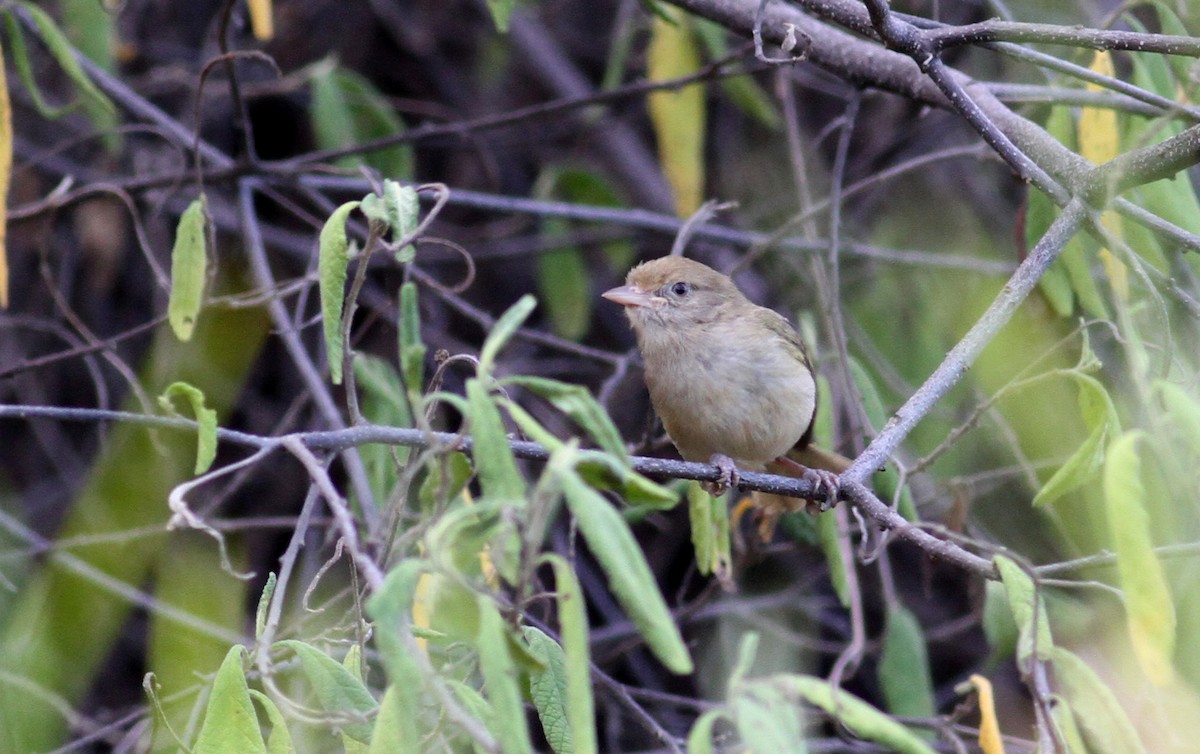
501, 11
1094, 706
500, 679
338, 691
885, 481
396, 725
383, 401
1064, 721
629, 576
348, 110
548, 690
700, 737
1182, 409
743, 91
577, 402
404, 210
904, 666
495, 464
563, 284
505, 326
831, 546
767, 722
206, 421
710, 531
264, 605
230, 724
332, 263
1023, 599
998, 625
1149, 609
412, 348
189, 263
60, 48
280, 739
1100, 416
859, 717
391, 608
573, 622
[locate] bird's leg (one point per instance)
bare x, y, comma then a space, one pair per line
729, 475
821, 479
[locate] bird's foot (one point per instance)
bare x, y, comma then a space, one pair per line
825, 484
729, 475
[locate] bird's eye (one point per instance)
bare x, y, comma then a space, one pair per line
680, 288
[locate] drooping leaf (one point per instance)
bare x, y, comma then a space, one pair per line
1149, 609
60, 48
862, 719
548, 690
261, 20
572, 619
348, 110
577, 402
989, 727
998, 624
189, 264
904, 666
629, 576
495, 464
678, 116
1100, 416
279, 740
206, 421
500, 681
412, 348
332, 262
1094, 707
1025, 603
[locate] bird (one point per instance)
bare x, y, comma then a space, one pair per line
731, 381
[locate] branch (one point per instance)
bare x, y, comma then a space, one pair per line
342, 439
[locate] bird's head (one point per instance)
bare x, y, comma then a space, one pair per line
674, 291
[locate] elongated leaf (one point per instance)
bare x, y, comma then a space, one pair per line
885, 481
189, 262
261, 21
279, 741
229, 721
904, 666
548, 690
1105, 726
347, 110
562, 279
998, 624
989, 728
577, 402
700, 737
678, 116
206, 421
629, 575
505, 326
1149, 609
1183, 409
332, 262
494, 461
500, 678
394, 725
572, 620
767, 723
337, 689
831, 546
264, 604
60, 47
412, 348
1100, 416
859, 717
1024, 601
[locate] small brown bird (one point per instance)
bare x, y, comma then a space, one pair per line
730, 380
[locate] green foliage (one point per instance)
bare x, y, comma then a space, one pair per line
206, 420
189, 264
332, 262
904, 666
230, 723
348, 110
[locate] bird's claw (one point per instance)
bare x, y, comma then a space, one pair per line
729, 475
823, 482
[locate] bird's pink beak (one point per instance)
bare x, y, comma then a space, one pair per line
628, 295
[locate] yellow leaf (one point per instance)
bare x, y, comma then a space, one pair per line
989, 728
6, 147
260, 19
678, 116
1100, 141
